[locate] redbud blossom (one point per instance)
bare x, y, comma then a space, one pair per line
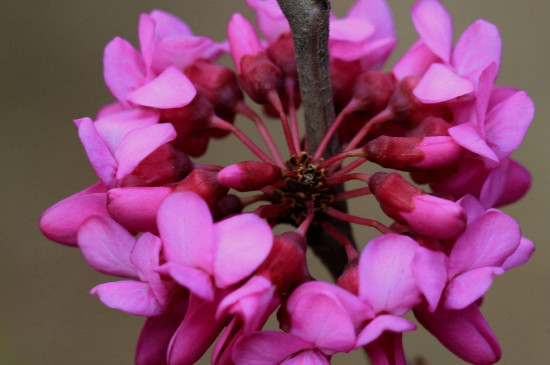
249, 175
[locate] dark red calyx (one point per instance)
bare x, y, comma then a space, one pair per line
394, 194
259, 76
343, 75
349, 279
281, 52
372, 91
227, 206
205, 184
395, 152
431, 126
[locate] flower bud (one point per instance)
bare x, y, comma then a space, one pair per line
249, 175
285, 265
373, 90
407, 204
281, 52
411, 153
349, 279
431, 126
242, 38
342, 78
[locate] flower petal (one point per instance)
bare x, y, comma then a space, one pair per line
129, 296
430, 270
381, 324
468, 287
521, 255
243, 243
268, 347
171, 89
106, 246
434, 24
469, 137
440, 83
477, 48
415, 62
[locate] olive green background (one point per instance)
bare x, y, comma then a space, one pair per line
51, 72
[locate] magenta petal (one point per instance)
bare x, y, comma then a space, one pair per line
518, 183
197, 332
469, 137
386, 280
494, 185
440, 83
155, 336
136, 207
268, 347
381, 324
140, 143
415, 62
246, 239
171, 89
484, 88
106, 246
487, 242
377, 13
434, 24
123, 68
129, 296
468, 287
242, 38
62, 221
182, 50
146, 39
477, 48
100, 157
187, 231
472, 207
521, 255
507, 123
430, 270
145, 257
197, 281
387, 350
169, 25
270, 18
308, 358
464, 332
319, 318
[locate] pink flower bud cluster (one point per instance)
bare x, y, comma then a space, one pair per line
205, 267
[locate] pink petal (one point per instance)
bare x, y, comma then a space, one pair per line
242, 38
129, 296
308, 358
468, 179
468, 287
352, 30
244, 238
268, 347
415, 62
182, 50
518, 183
494, 185
434, 25
499, 94
440, 83
62, 221
507, 123
155, 336
472, 207
114, 127
464, 332
484, 88
387, 350
197, 281
376, 52
381, 324
386, 280
100, 157
146, 33
439, 151
136, 207
430, 270
187, 231
477, 48
319, 318
521, 255
140, 143
487, 242
145, 257
168, 25
106, 246
270, 18
377, 13
469, 137
123, 68
196, 333
112, 108
171, 89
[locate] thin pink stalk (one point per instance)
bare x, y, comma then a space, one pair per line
333, 128
351, 252
332, 180
358, 152
350, 194
276, 102
222, 124
289, 88
264, 132
383, 116
348, 168
357, 220
302, 229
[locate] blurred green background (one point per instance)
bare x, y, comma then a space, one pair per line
51, 62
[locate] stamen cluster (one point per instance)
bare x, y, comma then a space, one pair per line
205, 268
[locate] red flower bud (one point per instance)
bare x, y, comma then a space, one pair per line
249, 175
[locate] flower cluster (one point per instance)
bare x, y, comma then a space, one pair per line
204, 272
